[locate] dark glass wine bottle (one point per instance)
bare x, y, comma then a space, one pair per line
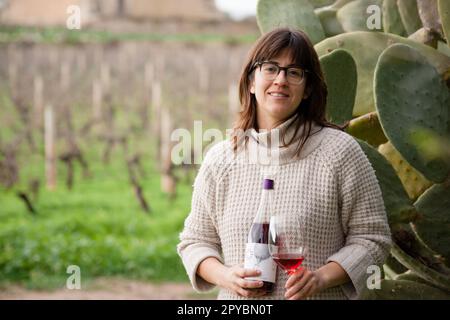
257, 254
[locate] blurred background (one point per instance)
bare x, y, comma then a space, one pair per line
85, 122
91, 91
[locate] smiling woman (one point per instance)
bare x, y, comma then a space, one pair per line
278, 90
320, 178
305, 96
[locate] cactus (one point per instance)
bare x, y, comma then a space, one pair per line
392, 268
409, 15
353, 16
406, 290
321, 3
444, 13
341, 92
367, 127
429, 15
426, 265
413, 181
392, 21
433, 226
366, 47
398, 205
295, 13
401, 119
328, 19
410, 94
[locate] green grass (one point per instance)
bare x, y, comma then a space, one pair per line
98, 226
63, 35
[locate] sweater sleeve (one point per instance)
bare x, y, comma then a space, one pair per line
364, 220
199, 239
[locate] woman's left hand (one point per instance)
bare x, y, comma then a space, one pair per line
304, 283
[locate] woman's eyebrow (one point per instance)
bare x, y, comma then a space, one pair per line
289, 65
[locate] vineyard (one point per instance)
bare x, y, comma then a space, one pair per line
87, 122
85, 169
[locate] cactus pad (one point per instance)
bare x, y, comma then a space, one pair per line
413, 181
406, 290
298, 14
365, 48
392, 22
409, 14
444, 13
353, 16
367, 128
321, 3
410, 95
329, 21
437, 279
341, 90
398, 206
433, 227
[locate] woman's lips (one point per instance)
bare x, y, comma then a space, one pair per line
278, 96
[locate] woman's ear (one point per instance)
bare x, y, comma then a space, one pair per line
307, 93
252, 86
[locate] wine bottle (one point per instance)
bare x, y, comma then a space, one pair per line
257, 254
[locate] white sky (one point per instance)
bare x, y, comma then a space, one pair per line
237, 9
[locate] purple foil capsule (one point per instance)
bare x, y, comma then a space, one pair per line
268, 184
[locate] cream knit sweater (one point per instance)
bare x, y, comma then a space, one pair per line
331, 186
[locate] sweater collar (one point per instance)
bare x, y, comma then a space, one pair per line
262, 144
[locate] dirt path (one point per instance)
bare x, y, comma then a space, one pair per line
110, 289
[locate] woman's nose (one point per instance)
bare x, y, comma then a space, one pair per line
281, 78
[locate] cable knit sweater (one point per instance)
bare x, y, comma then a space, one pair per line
331, 186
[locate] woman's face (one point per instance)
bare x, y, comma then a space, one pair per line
276, 99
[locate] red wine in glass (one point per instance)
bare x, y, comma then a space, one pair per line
286, 242
288, 262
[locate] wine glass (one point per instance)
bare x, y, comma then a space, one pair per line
286, 242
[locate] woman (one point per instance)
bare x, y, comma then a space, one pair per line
321, 175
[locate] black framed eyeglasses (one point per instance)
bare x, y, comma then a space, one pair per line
270, 70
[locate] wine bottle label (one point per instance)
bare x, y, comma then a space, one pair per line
257, 256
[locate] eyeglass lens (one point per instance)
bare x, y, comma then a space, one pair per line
294, 75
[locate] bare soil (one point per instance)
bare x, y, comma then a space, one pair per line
110, 289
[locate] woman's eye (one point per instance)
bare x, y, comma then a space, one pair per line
295, 73
270, 69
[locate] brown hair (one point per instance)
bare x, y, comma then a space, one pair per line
310, 109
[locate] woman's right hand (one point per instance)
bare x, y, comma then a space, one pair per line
234, 280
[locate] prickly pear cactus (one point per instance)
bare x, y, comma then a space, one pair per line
413, 181
366, 47
294, 13
396, 200
401, 118
321, 3
367, 127
341, 90
327, 16
421, 100
392, 22
406, 290
353, 16
409, 14
433, 225
444, 12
